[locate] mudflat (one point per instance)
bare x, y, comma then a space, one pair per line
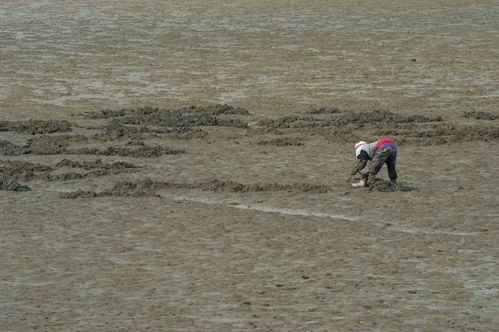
182, 166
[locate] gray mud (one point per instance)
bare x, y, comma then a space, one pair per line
48, 144
33, 127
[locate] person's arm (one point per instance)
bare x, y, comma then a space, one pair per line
361, 164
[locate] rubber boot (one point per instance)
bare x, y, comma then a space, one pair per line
371, 179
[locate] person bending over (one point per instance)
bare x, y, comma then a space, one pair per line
378, 153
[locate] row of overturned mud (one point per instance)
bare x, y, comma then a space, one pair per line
11, 172
64, 144
332, 123
148, 187
124, 133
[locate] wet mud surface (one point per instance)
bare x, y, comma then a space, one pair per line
183, 165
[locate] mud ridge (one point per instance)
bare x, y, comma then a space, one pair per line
98, 163
216, 110
33, 127
10, 149
78, 176
55, 145
343, 119
193, 116
21, 170
142, 151
478, 115
450, 133
149, 187
6, 185
324, 110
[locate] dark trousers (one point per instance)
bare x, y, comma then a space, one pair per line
386, 154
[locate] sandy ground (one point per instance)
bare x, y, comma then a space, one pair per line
218, 218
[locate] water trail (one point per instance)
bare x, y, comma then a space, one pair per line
305, 213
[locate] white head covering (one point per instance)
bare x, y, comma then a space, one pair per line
358, 147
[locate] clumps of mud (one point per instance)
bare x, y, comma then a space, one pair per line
33, 127
146, 188
343, 119
96, 164
6, 185
47, 145
449, 133
381, 185
282, 141
13, 171
382, 116
216, 110
21, 170
140, 150
149, 188
194, 116
115, 130
324, 110
479, 115
94, 173
236, 187
10, 149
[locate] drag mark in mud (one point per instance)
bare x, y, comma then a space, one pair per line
267, 209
